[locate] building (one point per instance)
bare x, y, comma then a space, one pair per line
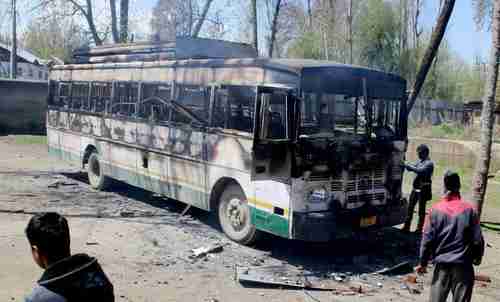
29, 67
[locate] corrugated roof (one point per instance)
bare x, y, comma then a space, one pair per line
23, 53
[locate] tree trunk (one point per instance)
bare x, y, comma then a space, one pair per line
274, 27
309, 13
114, 22
430, 53
349, 29
480, 180
255, 37
89, 16
203, 16
124, 21
13, 51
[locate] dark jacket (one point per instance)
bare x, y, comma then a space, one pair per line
74, 279
423, 181
452, 233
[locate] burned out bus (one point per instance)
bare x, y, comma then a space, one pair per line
302, 149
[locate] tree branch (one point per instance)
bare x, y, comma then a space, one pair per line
114, 21
199, 24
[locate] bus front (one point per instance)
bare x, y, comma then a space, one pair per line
346, 142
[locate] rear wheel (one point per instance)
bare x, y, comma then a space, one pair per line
95, 173
234, 216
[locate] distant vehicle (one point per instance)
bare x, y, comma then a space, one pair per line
302, 149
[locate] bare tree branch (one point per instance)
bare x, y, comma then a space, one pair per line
199, 24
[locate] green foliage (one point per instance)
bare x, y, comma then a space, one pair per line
306, 46
50, 38
30, 140
377, 40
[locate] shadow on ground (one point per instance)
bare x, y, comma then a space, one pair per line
365, 253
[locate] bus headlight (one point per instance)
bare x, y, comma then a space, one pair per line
319, 195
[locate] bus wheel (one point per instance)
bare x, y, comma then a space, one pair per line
234, 216
95, 173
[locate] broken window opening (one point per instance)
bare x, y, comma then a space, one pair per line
234, 108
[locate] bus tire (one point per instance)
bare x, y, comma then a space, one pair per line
234, 216
97, 179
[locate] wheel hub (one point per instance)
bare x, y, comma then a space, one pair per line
235, 212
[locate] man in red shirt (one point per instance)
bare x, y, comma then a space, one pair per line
452, 238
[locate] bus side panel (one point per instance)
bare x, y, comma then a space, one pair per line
271, 211
63, 144
230, 157
119, 161
186, 167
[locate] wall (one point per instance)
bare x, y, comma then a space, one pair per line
22, 106
25, 71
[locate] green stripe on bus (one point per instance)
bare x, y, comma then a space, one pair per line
270, 222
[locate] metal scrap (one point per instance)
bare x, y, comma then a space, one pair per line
202, 251
280, 276
398, 269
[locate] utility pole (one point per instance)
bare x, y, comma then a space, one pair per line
13, 51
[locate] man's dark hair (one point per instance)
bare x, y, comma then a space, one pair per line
423, 148
50, 233
451, 181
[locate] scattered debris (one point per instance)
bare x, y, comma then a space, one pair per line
398, 269
58, 183
127, 214
202, 251
339, 277
280, 276
413, 289
482, 278
184, 211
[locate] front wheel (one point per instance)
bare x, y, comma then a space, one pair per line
95, 173
234, 216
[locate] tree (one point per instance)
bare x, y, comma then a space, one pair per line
480, 179
255, 37
430, 53
172, 18
85, 8
53, 38
274, 28
378, 35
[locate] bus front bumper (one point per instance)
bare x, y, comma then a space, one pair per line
329, 225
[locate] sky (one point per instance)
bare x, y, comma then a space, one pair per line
461, 34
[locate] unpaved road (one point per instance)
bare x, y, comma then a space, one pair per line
144, 245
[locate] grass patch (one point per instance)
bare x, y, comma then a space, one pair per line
440, 167
30, 140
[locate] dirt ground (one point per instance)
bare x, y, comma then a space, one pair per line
144, 245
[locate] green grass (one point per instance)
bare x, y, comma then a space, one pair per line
30, 140
440, 167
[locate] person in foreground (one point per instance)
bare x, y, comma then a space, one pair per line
452, 238
67, 278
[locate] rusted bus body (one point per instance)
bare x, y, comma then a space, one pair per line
116, 111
